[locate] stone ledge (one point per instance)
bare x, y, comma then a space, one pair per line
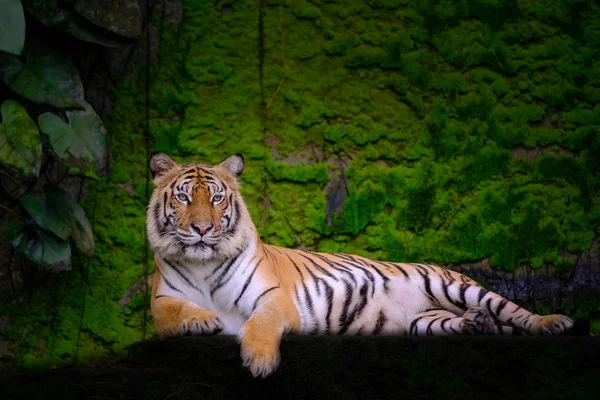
334, 367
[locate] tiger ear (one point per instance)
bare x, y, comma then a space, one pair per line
160, 164
234, 164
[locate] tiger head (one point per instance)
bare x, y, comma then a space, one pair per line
196, 211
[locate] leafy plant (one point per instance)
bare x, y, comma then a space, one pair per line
70, 132
20, 144
12, 26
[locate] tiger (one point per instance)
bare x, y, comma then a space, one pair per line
214, 275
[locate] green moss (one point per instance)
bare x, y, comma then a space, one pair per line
366, 57
297, 173
476, 105
416, 101
311, 114
305, 10
341, 45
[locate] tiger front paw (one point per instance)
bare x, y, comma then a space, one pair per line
193, 321
259, 354
554, 324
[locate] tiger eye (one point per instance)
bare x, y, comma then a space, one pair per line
182, 197
217, 198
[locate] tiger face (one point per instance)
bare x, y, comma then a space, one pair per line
196, 210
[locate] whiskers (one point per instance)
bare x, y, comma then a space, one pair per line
190, 239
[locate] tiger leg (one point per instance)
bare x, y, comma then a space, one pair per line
505, 312
440, 322
178, 317
454, 291
260, 336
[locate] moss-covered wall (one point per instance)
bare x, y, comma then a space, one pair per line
442, 131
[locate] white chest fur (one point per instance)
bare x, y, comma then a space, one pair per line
211, 285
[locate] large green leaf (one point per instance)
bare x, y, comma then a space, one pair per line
122, 17
81, 141
49, 218
38, 245
20, 144
70, 210
61, 215
47, 77
12, 26
50, 14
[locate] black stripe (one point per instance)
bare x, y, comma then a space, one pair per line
269, 254
235, 219
261, 295
385, 279
347, 301
336, 266
309, 302
463, 290
362, 266
488, 303
494, 317
216, 270
207, 172
227, 218
363, 292
219, 283
426, 281
319, 267
315, 279
329, 300
159, 296
431, 267
482, 293
501, 306
443, 323
445, 288
413, 326
247, 283
297, 296
381, 320
157, 219
165, 200
428, 331
169, 284
182, 275
399, 268
447, 274
435, 309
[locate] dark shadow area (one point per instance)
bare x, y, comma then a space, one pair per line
331, 367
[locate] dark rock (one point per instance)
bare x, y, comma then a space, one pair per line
542, 285
334, 367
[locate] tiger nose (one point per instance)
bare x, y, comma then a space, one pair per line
201, 227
